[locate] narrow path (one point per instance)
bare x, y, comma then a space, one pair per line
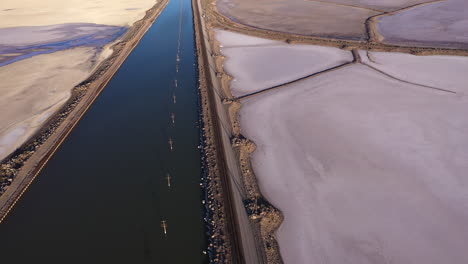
408, 82
373, 34
358, 59
370, 58
346, 5
231, 228
219, 20
295, 81
255, 46
356, 56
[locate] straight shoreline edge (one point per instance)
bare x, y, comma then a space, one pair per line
28, 161
249, 221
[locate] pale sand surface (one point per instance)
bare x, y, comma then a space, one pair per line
340, 19
275, 63
232, 39
446, 72
299, 16
441, 24
382, 5
34, 35
50, 12
35, 88
366, 169
29, 28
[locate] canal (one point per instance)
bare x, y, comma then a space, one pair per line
130, 164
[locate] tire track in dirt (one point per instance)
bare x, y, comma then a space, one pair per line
408, 82
357, 59
346, 5
315, 74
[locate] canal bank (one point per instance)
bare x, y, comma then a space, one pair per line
131, 164
243, 218
23, 165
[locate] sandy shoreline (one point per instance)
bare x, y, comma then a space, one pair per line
249, 236
229, 248
265, 218
28, 160
243, 146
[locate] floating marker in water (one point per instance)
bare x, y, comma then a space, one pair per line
171, 144
168, 178
164, 226
173, 118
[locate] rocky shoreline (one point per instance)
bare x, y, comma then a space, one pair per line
219, 245
18, 170
263, 218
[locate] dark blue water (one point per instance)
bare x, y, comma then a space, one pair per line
102, 198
